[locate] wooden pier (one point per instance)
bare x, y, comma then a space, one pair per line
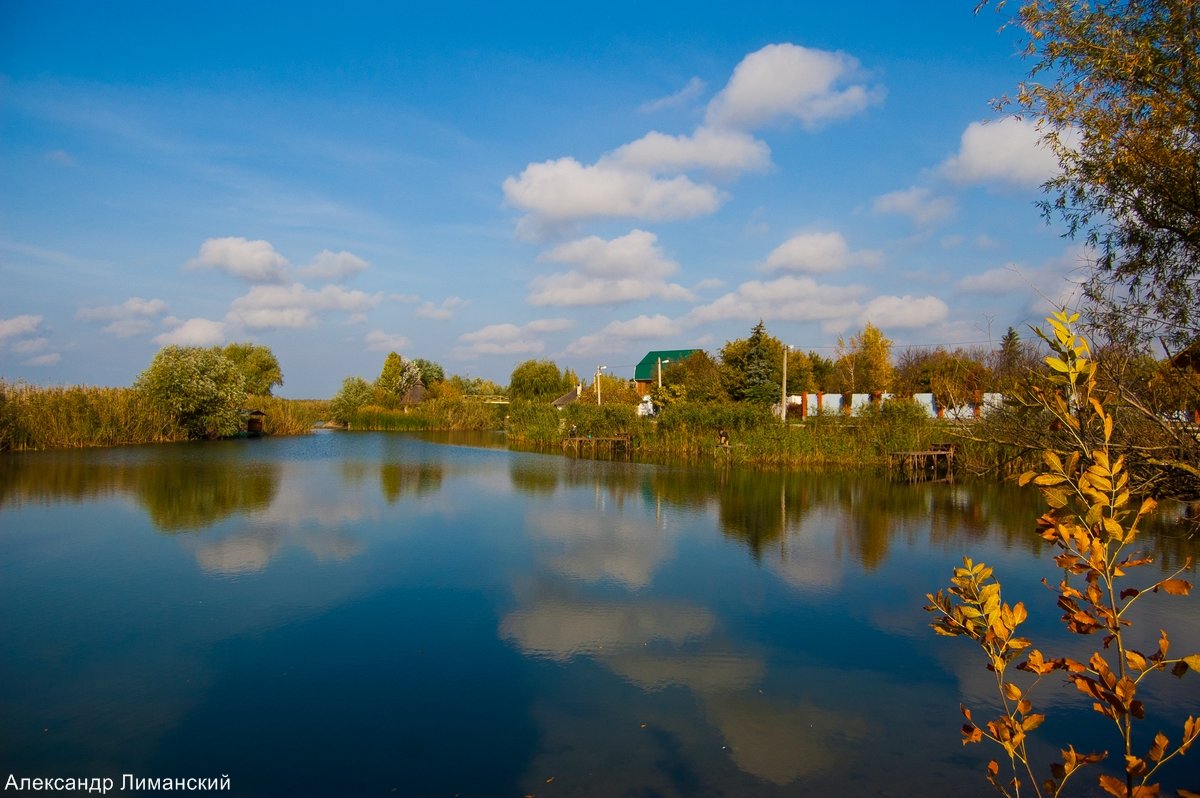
612, 443
935, 464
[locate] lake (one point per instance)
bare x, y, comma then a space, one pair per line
386, 614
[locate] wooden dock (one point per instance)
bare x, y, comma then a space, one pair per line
612, 443
934, 464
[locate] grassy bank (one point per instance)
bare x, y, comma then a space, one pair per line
433, 414
36, 417
690, 431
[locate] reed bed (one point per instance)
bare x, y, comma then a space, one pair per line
34, 417
79, 416
433, 414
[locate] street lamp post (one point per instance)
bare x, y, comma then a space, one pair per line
598, 370
660, 362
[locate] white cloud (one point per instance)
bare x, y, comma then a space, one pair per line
788, 81
132, 307
509, 339
918, 204
19, 325
379, 341
1008, 151
722, 151
48, 359
609, 272
786, 299
694, 88
802, 299
255, 261
445, 310
890, 312
614, 335
132, 317
817, 253
1053, 284
564, 190
334, 266
1005, 279
295, 305
193, 332
27, 346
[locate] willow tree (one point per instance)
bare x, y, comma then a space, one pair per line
1115, 89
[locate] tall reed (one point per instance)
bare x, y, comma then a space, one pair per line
33, 417
76, 416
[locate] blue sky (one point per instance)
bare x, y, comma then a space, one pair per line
479, 185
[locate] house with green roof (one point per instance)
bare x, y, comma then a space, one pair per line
646, 372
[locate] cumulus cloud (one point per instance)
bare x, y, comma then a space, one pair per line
19, 325
1054, 283
1007, 151
817, 253
509, 339
616, 334
254, 261
1005, 279
442, 311
646, 179
893, 312
295, 305
564, 190
918, 204
694, 88
27, 346
334, 266
787, 81
192, 332
608, 272
786, 299
723, 151
379, 341
803, 299
134, 316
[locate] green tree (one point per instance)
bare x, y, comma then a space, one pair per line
824, 372
201, 388
696, 378
258, 365
952, 377
355, 393
1013, 362
431, 373
397, 377
752, 367
864, 363
1115, 90
536, 380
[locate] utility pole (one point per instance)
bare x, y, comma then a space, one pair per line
598, 370
660, 362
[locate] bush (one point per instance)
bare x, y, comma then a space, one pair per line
200, 388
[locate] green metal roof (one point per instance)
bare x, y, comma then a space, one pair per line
647, 369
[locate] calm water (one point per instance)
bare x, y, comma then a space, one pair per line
371, 614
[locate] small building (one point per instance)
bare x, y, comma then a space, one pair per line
570, 397
255, 421
646, 372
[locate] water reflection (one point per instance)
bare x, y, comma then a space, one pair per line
627, 628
